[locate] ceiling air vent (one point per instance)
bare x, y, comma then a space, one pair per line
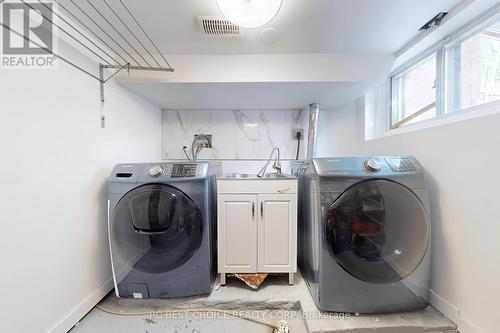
216, 26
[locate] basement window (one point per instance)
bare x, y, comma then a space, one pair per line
457, 78
473, 69
414, 92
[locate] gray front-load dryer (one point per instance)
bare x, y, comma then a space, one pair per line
364, 233
161, 223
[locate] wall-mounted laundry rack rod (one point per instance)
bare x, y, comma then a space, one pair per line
104, 44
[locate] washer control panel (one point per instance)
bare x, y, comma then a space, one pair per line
403, 164
183, 170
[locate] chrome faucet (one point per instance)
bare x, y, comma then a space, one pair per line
276, 164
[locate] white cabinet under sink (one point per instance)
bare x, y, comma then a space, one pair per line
237, 233
257, 226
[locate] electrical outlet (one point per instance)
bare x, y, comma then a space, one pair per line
294, 134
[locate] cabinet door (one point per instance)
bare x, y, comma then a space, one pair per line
277, 233
237, 233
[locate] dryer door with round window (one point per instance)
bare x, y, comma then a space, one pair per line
156, 228
378, 231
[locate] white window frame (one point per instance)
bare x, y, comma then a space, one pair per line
442, 94
424, 56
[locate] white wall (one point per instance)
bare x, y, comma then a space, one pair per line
339, 131
55, 160
461, 160
257, 81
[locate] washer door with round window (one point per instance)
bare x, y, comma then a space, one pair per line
378, 231
156, 228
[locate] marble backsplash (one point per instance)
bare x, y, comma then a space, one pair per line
237, 135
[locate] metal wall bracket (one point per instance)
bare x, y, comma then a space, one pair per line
103, 81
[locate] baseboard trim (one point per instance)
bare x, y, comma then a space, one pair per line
66, 323
453, 313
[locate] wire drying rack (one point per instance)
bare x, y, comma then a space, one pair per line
101, 28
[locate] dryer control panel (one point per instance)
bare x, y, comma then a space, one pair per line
403, 164
183, 170
369, 166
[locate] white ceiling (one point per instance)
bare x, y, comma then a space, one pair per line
328, 29
305, 26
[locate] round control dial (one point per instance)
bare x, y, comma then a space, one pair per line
156, 171
372, 165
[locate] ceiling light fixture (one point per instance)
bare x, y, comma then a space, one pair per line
249, 13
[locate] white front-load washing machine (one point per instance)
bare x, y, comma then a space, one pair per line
364, 233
